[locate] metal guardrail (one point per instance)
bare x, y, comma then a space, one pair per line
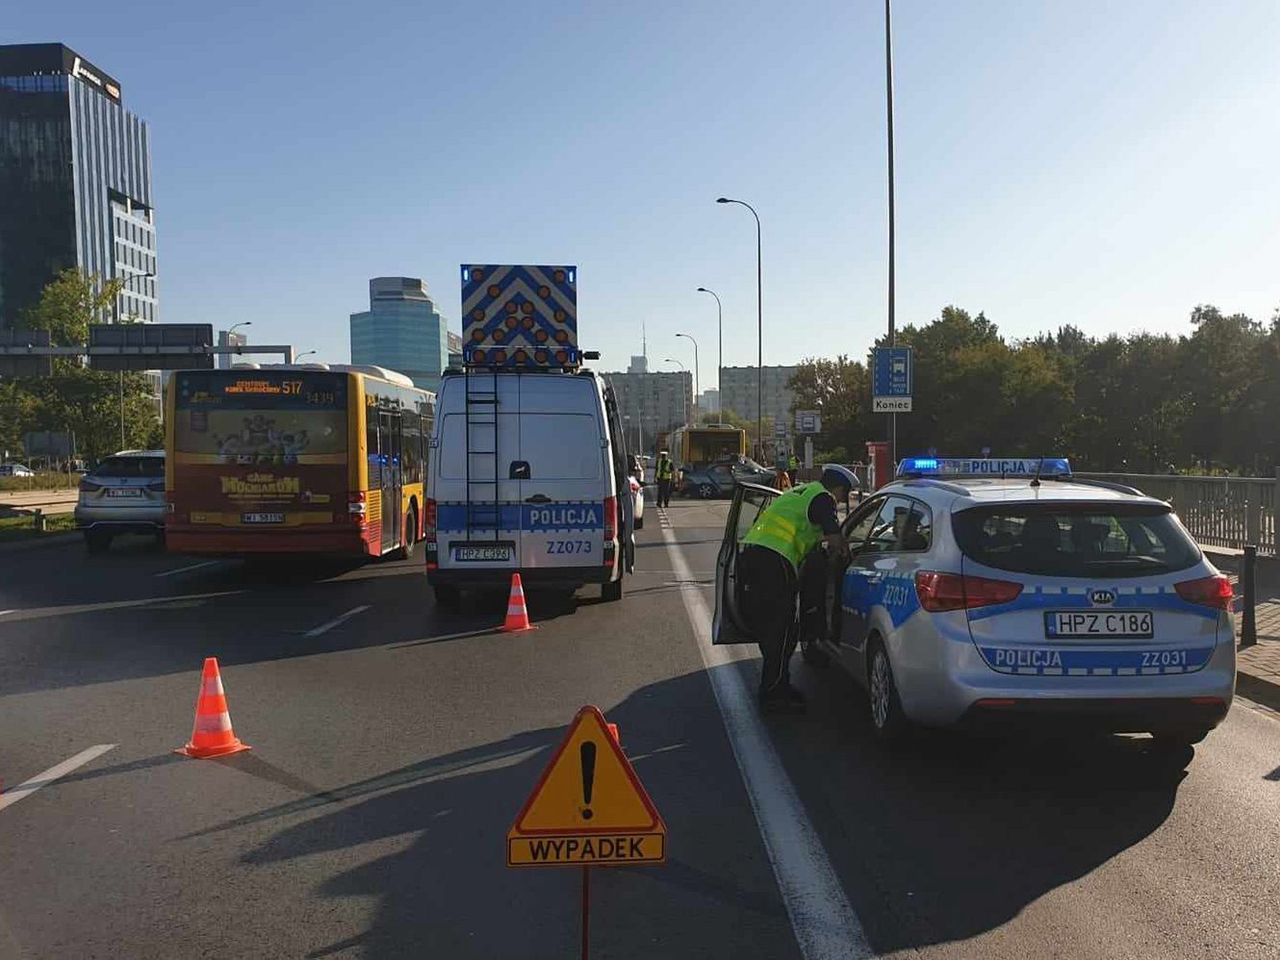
1218, 511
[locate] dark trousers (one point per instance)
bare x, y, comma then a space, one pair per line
767, 601
769, 590
664, 493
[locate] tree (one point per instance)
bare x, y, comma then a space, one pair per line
840, 391
74, 399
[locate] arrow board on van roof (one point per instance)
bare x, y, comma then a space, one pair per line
520, 315
588, 807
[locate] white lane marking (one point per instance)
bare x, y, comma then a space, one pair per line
194, 566
336, 621
53, 773
3, 612
822, 918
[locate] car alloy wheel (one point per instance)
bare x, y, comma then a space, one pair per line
881, 689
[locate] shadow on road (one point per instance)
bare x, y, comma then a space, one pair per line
941, 842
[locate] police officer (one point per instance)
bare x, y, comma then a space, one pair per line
793, 465
780, 563
664, 473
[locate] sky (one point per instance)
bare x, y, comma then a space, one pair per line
1103, 164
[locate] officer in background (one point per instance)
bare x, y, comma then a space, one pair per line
664, 473
780, 563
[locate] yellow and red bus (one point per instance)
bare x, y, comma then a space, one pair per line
296, 459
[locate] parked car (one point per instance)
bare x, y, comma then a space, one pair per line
637, 499
15, 470
719, 479
122, 494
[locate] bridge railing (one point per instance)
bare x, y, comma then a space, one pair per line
1218, 511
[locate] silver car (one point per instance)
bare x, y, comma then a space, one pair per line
122, 494
1019, 596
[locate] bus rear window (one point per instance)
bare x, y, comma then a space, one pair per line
1075, 539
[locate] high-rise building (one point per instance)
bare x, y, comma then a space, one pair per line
709, 401
652, 403
455, 348
402, 330
75, 181
738, 390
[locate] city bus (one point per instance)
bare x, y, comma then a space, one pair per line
695, 447
296, 459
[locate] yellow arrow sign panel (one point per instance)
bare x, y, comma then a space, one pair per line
588, 807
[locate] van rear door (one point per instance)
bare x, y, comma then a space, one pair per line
478, 500
564, 468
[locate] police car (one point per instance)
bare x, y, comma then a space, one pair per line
1009, 590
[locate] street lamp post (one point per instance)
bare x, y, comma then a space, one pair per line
888, 89
720, 359
759, 328
684, 407
305, 353
697, 389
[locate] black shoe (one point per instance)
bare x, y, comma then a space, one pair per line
782, 700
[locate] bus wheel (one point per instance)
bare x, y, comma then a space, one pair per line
410, 534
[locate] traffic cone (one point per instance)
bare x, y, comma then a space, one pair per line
517, 613
212, 735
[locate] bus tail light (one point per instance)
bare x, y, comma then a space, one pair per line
358, 507
610, 528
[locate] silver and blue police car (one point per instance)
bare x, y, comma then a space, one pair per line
1009, 590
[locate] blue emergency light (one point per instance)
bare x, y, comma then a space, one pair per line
1028, 467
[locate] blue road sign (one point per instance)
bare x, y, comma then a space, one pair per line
894, 373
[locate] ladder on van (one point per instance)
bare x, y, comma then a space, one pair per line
484, 511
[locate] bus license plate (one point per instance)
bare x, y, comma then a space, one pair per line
1104, 624
492, 552
262, 518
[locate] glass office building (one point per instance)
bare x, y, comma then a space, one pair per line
402, 330
75, 181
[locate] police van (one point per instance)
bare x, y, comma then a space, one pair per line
528, 466
990, 592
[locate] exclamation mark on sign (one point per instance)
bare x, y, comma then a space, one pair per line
587, 753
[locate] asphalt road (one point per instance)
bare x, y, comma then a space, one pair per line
393, 748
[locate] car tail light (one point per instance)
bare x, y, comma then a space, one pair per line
1207, 592
429, 519
358, 507
939, 592
88, 486
610, 528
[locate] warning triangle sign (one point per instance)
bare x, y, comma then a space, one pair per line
588, 807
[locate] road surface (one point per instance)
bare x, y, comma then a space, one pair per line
394, 742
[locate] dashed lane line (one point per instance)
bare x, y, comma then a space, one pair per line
187, 569
822, 918
336, 621
23, 790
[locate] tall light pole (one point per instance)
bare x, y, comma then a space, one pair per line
696, 368
115, 306
888, 89
720, 359
305, 353
759, 328
684, 408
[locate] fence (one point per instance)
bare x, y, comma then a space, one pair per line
1218, 511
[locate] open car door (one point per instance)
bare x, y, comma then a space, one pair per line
749, 501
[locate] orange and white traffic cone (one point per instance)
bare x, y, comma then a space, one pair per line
212, 735
517, 613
